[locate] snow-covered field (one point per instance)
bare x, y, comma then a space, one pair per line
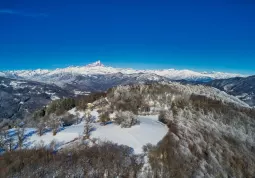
148, 131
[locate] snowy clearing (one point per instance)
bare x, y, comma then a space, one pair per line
150, 130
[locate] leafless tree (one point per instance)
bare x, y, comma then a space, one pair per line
88, 127
54, 123
40, 128
9, 143
6, 141
137, 162
2, 141
20, 136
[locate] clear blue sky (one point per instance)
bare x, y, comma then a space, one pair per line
202, 35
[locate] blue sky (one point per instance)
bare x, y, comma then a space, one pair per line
216, 35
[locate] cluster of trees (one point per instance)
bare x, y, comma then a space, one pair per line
55, 114
225, 131
102, 160
139, 99
180, 154
12, 140
125, 98
126, 119
53, 122
170, 100
61, 106
207, 135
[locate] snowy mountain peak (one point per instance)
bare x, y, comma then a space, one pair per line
95, 64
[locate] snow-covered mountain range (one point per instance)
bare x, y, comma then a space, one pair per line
97, 68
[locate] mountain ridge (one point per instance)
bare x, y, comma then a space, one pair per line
19, 98
242, 88
97, 68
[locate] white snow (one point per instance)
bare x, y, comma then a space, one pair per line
149, 131
72, 111
78, 113
61, 137
16, 84
53, 96
3, 84
77, 92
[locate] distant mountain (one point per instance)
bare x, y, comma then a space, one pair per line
243, 88
19, 98
62, 76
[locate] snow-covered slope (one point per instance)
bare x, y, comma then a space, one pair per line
209, 92
242, 88
98, 68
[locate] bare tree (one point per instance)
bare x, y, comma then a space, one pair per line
137, 162
42, 124
54, 123
88, 127
9, 143
40, 127
2, 141
20, 136
6, 141
53, 145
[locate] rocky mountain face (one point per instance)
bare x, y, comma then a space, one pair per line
18, 98
242, 88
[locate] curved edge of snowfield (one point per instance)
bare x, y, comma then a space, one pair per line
150, 130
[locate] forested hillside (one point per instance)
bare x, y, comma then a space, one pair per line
210, 134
